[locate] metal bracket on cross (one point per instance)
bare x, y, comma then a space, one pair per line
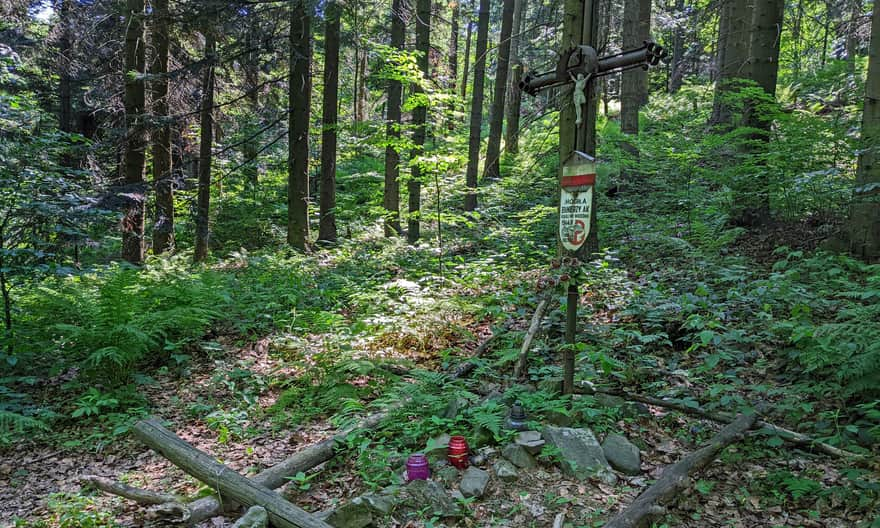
584, 61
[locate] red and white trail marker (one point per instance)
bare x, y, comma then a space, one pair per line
576, 200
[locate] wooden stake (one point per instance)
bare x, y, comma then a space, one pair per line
530, 336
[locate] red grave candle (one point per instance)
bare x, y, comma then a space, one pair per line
458, 452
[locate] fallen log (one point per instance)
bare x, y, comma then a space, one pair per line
227, 482
675, 478
534, 327
788, 435
464, 369
138, 495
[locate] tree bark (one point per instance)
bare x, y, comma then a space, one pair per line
852, 34
229, 483
391, 196
496, 119
469, 10
678, 62
514, 94
134, 100
864, 221
534, 327
675, 478
300, 117
206, 143
163, 229
419, 120
453, 46
733, 56
138, 495
476, 124
634, 82
327, 225
65, 83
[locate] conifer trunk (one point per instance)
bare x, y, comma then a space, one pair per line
496, 117
733, 56
300, 116
453, 45
134, 100
514, 94
467, 48
864, 222
852, 37
163, 229
206, 143
65, 85
634, 82
677, 75
476, 124
391, 196
327, 226
420, 118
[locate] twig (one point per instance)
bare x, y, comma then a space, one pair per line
530, 336
138, 495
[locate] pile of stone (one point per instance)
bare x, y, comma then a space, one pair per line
576, 450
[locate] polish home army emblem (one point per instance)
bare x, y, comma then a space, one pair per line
576, 200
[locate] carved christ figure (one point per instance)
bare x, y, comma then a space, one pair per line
580, 98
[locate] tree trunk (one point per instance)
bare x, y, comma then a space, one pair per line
864, 221
362, 93
391, 197
203, 208
300, 117
470, 201
65, 88
229, 483
634, 82
677, 76
514, 94
327, 226
467, 48
852, 34
420, 119
251, 67
496, 119
733, 56
134, 100
163, 229
7, 299
453, 46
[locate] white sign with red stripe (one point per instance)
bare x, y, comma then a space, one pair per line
576, 200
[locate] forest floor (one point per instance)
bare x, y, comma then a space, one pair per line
678, 331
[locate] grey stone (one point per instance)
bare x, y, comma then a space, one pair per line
380, 504
609, 401
482, 437
622, 454
437, 448
581, 456
558, 418
505, 471
427, 493
531, 441
474, 482
518, 455
447, 475
354, 514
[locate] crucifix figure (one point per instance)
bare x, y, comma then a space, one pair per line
580, 98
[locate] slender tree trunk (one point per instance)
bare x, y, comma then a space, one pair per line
300, 97
362, 93
453, 45
251, 146
470, 202
163, 229
852, 34
327, 226
206, 143
65, 89
469, 9
514, 94
391, 197
733, 56
7, 298
864, 222
134, 100
634, 83
420, 119
496, 119
796, 29
675, 80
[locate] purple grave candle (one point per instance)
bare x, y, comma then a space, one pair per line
417, 467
